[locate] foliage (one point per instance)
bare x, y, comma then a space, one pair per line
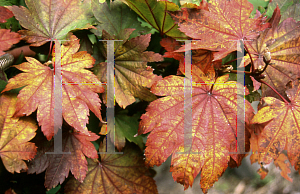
151, 105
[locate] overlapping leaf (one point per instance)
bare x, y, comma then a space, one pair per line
79, 89
7, 39
5, 14
282, 43
154, 12
132, 74
115, 173
49, 20
14, 136
201, 58
75, 146
221, 27
213, 127
282, 131
115, 18
126, 128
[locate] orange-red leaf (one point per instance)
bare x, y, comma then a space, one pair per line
213, 127
282, 131
14, 136
79, 89
58, 165
221, 27
115, 173
7, 39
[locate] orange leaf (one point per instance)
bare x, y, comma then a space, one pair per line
213, 127
282, 131
14, 136
284, 166
115, 173
79, 89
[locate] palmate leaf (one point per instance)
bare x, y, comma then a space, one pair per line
154, 12
282, 43
58, 165
282, 130
115, 173
52, 19
14, 136
77, 97
221, 27
213, 127
132, 74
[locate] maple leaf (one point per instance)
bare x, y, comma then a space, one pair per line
77, 98
201, 58
48, 20
5, 14
14, 136
115, 18
58, 165
280, 43
213, 127
282, 131
115, 173
7, 39
221, 27
154, 12
132, 74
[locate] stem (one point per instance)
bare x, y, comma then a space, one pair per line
237, 71
49, 50
261, 81
252, 63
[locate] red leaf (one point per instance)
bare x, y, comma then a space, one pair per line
5, 14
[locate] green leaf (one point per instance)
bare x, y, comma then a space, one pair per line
127, 127
154, 12
53, 190
282, 4
116, 18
